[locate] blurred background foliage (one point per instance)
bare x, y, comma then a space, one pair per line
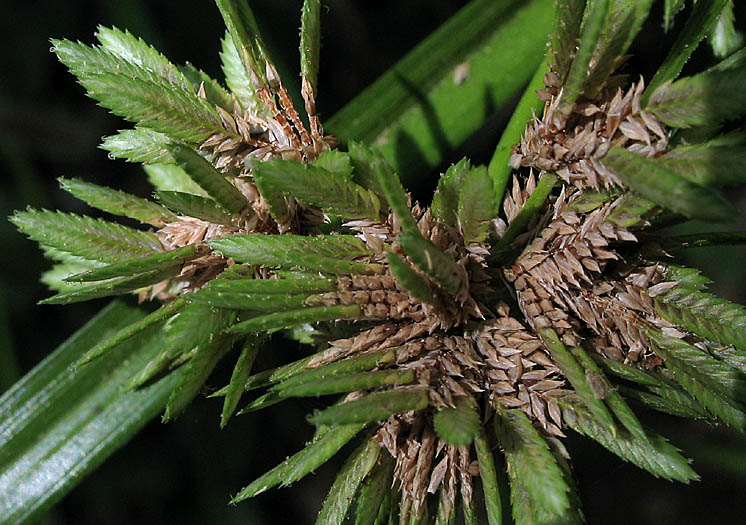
184, 472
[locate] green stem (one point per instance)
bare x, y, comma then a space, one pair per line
498, 169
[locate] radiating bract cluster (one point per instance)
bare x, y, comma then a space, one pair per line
459, 333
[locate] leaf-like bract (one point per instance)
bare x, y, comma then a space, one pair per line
414, 283
310, 42
724, 38
446, 199
241, 24
331, 191
432, 261
702, 20
360, 363
316, 314
170, 177
107, 288
157, 261
351, 475
476, 205
703, 313
593, 22
701, 99
374, 407
666, 188
196, 206
117, 202
236, 78
530, 208
532, 469
129, 331
564, 39
196, 372
488, 474
325, 253
194, 326
137, 52
140, 95
241, 371
624, 19
138, 145
711, 163
305, 461
373, 493
458, 425
715, 384
575, 374
341, 383
92, 239
208, 178
655, 454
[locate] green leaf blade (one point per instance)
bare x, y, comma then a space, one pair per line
64, 422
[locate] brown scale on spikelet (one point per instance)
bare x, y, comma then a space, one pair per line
519, 372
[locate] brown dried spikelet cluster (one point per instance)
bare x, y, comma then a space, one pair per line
272, 131
572, 145
559, 277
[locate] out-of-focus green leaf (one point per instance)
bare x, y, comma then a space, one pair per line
60, 422
409, 112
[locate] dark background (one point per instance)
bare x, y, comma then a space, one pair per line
184, 472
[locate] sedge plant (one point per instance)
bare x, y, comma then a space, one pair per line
455, 342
